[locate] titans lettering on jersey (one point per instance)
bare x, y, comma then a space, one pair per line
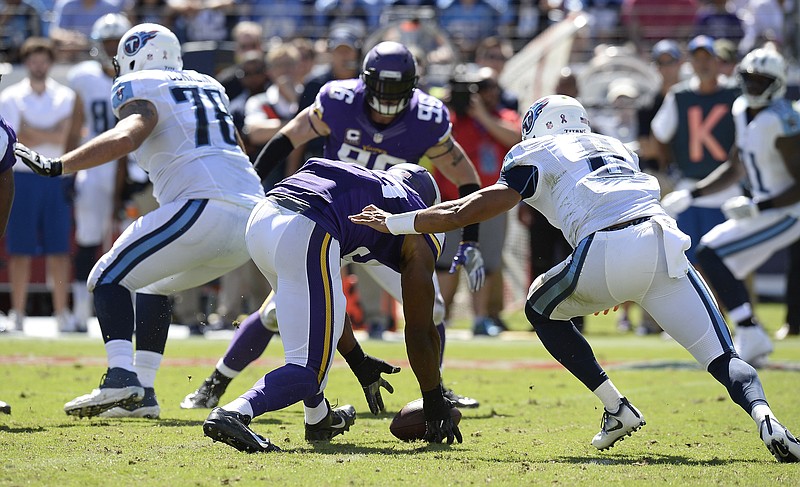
354, 138
192, 153
756, 138
335, 191
582, 183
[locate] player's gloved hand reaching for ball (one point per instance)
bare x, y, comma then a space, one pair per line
439, 423
469, 256
44, 166
368, 370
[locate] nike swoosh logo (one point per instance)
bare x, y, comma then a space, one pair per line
616, 426
340, 424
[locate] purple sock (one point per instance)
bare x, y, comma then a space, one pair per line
249, 342
282, 387
440, 329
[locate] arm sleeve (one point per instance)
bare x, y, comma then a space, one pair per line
276, 150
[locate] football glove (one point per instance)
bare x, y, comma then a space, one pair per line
469, 256
45, 166
368, 372
439, 425
739, 208
677, 202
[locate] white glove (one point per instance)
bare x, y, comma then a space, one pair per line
677, 202
44, 166
469, 256
739, 208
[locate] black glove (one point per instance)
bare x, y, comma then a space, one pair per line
368, 370
439, 424
45, 166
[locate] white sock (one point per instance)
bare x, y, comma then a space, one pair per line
760, 412
316, 414
147, 364
120, 354
225, 370
241, 405
740, 313
609, 394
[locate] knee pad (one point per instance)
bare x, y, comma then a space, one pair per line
268, 313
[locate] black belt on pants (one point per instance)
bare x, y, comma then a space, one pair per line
290, 203
629, 223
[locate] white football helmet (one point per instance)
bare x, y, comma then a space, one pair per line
109, 27
555, 114
148, 46
769, 66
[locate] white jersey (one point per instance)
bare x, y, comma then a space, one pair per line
582, 183
192, 152
755, 140
94, 86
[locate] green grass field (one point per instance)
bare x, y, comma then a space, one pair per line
533, 427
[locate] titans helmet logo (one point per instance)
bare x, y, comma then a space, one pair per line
532, 114
138, 40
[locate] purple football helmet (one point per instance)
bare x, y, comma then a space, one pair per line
390, 76
419, 179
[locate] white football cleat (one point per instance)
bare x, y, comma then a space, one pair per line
119, 387
148, 408
616, 426
780, 442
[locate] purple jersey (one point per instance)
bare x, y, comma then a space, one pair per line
334, 190
7, 139
355, 138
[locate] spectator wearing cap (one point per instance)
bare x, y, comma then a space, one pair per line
695, 127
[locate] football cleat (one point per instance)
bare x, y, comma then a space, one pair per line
148, 408
335, 423
5, 408
458, 400
231, 428
207, 395
780, 442
616, 426
752, 344
118, 387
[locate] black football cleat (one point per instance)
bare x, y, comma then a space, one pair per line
459, 401
335, 423
231, 428
208, 394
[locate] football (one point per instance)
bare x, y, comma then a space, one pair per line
409, 423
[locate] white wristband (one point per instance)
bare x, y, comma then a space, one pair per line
401, 223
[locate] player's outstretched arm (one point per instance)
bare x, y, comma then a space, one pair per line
449, 215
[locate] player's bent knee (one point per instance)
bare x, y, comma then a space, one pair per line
534, 317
